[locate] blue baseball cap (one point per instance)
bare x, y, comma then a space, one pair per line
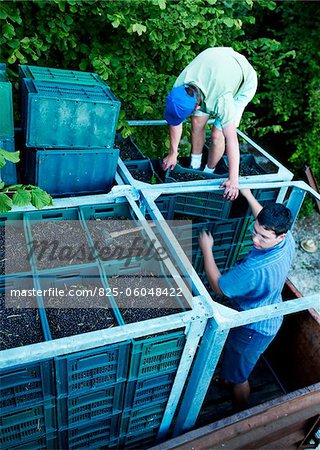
179, 105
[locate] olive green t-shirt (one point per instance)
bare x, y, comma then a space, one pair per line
220, 73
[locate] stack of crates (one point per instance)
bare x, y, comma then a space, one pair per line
110, 396
69, 120
8, 172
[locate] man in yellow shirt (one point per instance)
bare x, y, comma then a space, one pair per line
220, 83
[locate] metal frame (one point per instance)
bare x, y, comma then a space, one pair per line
208, 321
193, 321
283, 173
218, 328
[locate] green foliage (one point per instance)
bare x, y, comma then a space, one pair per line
139, 48
18, 194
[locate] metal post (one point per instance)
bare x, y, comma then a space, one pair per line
204, 366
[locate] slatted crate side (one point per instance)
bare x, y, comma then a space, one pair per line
87, 408
140, 393
107, 211
206, 205
135, 441
143, 171
26, 385
98, 435
62, 76
47, 442
68, 172
142, 420
91, 370
8, 173
69, 116
28, 424
156, 355
6, 110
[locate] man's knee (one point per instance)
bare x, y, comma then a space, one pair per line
199, 123
217, 137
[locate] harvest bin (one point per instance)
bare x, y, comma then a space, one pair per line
68, 116
76, 171
256, 165
93, 390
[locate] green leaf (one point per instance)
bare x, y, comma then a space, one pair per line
5, 203
115, 23
1, 185
40, 198
8, 30
12, 59
10, 156
162, 4
2, 161
21, 198
139, 28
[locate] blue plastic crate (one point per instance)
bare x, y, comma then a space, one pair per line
13, 237
69, 116
8, 173
140, 421
135, 441
22, 386
143, 171
28, 424
60, 75
141, 393
86, 408
6, 110
69, 172
156, 355
98, 435
47, 442
205, 205
91, 370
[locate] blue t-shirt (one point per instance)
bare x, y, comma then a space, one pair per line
258, 281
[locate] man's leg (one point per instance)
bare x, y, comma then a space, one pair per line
241, 394
197, 139
198, 135
217, 147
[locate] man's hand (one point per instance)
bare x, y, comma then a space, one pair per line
206, 242
231, 191
170, 161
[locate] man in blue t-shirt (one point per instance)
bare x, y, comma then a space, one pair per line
256, 281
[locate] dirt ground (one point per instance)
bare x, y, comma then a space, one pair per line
305, 271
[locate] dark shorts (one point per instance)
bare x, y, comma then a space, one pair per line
241, 353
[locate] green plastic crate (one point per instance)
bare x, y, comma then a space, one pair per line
6, 111
87, 408
8, 173
156, 355
70, 171
206, 205
141, 421
91, 370
28, 424
47, 442
22, 386
68, 116
98, 435
3, 72
141, 393
60, 75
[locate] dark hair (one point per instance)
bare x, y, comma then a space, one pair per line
194, 91
275, 217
